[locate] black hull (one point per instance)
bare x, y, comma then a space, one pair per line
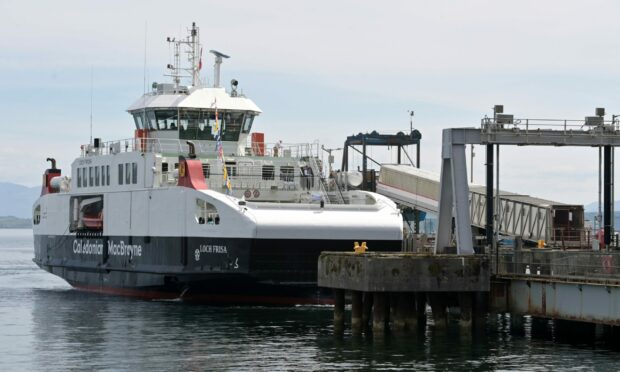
214, 270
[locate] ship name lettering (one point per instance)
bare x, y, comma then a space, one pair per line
212, 248
122, 249
87, 247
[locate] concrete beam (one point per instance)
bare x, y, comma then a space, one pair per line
404, 272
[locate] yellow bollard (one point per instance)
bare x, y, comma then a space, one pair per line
360, 249
541, 244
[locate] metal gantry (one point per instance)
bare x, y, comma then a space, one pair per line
504, 129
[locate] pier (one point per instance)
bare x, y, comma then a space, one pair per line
565, 277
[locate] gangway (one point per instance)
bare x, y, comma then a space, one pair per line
531, 218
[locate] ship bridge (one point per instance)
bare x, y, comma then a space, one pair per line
532, 218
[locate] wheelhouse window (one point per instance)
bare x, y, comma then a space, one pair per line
231, 125
139, 120
79, 177
201, 125
86, 213
166, 120
96, 176
247, 123
206, 213
91, 177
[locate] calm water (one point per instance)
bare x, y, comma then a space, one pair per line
45, 325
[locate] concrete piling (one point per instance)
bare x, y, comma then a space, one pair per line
466, 306
339, 309
438, 306
367, 305
356, 311
379, 312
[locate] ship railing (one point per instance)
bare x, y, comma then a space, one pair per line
301, 151
559, 127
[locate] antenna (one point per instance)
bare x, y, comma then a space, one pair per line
194, 56
411, 113
91, 105
218, 62
144, 70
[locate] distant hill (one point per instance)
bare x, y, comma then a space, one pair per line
593, 207
16, 200
11, 222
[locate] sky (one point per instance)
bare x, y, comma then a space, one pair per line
319, 70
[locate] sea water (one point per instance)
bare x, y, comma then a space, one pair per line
46, 325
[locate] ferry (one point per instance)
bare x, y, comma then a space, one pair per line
196, 206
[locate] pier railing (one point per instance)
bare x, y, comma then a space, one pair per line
560, 265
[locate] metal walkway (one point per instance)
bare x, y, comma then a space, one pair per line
521, 215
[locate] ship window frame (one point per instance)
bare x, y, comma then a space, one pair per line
231, 168
103, 175
36, 215
134, 173
120, 173
247, 127
79, 177
96, 175
268, 172
90, 177
206, 213
287, 173
107, 171
77, 214
127, 174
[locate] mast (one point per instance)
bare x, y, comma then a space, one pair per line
193, 50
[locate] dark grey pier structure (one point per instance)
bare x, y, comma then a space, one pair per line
401, 284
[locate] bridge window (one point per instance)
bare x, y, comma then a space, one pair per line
231, 126
139, 120
201, 125
79, 177
247, 123
166, 120
206, 213
96, 176
91, 177
198, 125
